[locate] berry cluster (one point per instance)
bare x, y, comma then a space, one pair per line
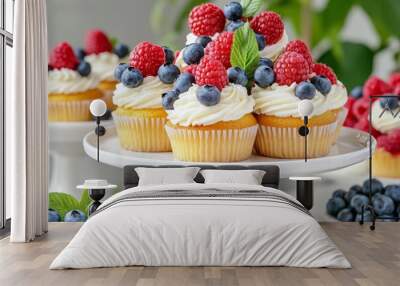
97, 42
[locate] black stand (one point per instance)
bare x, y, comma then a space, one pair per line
305, 193
96, 195
304, 131
100, 131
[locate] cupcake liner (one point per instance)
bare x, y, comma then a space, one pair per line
279, 142
219, 145
142, 134
71, 110
340, 121
385, 164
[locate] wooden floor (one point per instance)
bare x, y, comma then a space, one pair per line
375, 257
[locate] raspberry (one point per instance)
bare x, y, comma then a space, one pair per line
97, 42
323, 69
396, 90
63, 56
360, 108
363, 125
220, 48
147, 58
270, 25
291, 67
375, 86
300, 47
211, 71
350, 121
394, 79
390, 142
176, 55
190, 69
349, 104
206, 20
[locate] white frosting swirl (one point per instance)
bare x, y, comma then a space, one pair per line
383, 120
273, 51
103, 65
70, 81
146, 95
337, 96
234, 104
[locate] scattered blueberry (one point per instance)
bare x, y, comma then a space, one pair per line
322, 84
305, 90
121, 50
131, 77
74, 216
377, 186
367, 216
84, 68
184, 82
345, 215
357, 92
264, 76
234, 25
335, 205
168, 73
233, 11
260, 41
169, 98
358, 201
383, 205
80, 54
208, 95
237, 75
391, 103
53, 216
266, 62
119, 70
339, 193
203, 40
193, 53
169, 55
393, 191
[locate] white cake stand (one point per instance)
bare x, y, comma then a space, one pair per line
351, 148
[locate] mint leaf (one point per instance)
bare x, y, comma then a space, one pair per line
113, 41
63, 203
250, 7
244, 53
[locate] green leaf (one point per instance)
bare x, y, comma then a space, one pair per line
63, 203
244, 53
251, 7
113, 41
85, 202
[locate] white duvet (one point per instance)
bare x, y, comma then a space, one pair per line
200, 231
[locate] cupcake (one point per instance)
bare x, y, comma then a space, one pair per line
139, 117
71, 86
211, 120
278, 92
99, 52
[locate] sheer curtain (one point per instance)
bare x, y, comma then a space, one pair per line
26, 123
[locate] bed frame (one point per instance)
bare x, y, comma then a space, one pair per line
271, 177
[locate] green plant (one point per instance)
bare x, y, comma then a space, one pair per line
320, 27
63, 203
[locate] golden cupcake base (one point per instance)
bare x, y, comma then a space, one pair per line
385, 164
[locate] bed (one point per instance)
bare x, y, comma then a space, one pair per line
201, 224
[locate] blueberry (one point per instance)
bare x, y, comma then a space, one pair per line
169, 55
169, 98
264, 76
357, 92
393, 191
233, 11
84, 68
322, 84
131, 77
80, 53
184, 82
208, 95
383, 205
305, 90
74, 216
119, 70
266, 62
354, 190
234, 25
237, 75
203, 41
367, 216
339, 193
53, 216
377, 187
335, 205
346, 214
168, 73
193, 53
358, 201
391, 103
121, 50
260, 41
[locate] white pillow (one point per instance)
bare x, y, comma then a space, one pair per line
166, 176
248, 177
